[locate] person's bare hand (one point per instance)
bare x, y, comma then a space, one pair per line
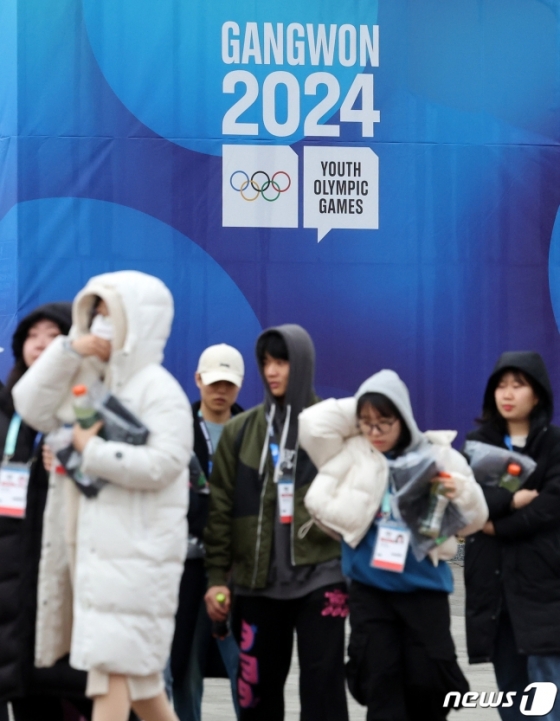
523, 498
449, 483
48, 458
81, 436
88, 345
489, 529
216, 610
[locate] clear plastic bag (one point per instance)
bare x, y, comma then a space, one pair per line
119, 424
411, 476
489, 463
60, 443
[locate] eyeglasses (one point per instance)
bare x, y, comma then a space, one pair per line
382, 427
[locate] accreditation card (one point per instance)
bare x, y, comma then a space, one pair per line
14, 479
391, 546
286, 499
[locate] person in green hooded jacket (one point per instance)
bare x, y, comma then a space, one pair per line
285, 571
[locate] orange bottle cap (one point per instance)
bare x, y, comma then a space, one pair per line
514, 469
444, 475
79, 390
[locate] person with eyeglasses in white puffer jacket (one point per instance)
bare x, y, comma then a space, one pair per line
402, 660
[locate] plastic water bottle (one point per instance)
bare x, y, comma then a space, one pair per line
430, 525
221, 629
511, 478
86, 415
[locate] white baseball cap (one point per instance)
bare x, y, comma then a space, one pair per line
221, 363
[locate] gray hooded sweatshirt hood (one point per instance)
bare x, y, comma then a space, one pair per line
299, 393
389, 384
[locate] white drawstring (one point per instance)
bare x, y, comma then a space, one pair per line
264, 451
283, 438
305, 528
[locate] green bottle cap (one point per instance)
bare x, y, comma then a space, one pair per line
220, 597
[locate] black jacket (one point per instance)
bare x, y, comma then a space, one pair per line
20, 552
193, 582
198, 503
20, 549
518, 569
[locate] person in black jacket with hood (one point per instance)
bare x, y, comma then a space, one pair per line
35, 694
512, 567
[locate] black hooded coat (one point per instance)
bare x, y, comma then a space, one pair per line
518, 569
20, 550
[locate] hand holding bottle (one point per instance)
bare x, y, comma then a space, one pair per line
442, 490
449, 484
81, 436
218, 608
88, 419
221, 629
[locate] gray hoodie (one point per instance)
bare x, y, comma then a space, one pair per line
390, 385
299, 393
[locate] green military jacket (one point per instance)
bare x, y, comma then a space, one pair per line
240, 530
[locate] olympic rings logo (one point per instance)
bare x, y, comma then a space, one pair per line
251, 188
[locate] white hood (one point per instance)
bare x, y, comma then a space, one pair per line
141, 308
389, 384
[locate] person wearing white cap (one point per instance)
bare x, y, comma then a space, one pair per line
195, 653
219, 377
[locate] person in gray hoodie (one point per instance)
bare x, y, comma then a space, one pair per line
402, 660
285, 571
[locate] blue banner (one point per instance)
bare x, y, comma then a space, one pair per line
386, 174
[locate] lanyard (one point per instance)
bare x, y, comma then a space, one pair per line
209, 446
507, 442
206, 435
12, 435
386, 505
388, 510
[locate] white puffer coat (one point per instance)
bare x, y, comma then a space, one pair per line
347, 492
125, 548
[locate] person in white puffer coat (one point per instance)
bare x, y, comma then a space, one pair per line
402, 659
111, 565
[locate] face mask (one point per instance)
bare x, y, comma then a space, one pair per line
102, 327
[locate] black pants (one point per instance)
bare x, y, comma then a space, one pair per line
264, 629
402, 658
510, 666
4, 711
191, 593
50, 708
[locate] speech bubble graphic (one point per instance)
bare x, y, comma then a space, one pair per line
341, 189
259, 186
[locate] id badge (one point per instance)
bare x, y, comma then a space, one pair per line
286, 499
14, 479
391, 547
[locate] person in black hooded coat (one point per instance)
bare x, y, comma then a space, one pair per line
512, 567
35, 694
